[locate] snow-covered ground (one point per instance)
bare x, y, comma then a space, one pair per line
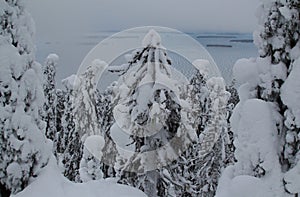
52, 183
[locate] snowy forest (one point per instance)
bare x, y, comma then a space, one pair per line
198, 137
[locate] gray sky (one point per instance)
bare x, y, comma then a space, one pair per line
70, 28
77, 16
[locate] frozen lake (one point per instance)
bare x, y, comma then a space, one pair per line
225, 49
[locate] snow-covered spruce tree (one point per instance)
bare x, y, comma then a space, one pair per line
22, 142
105, 116
283, 41
217, 158
290, 97
68, 146
232, 102
147, 108
197, 170
86, 119
58, 145
268, 78
50, 95
199, 96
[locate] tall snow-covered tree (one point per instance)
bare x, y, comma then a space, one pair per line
86, 119
269, 79
22, 142
105, 116
218, 156
79, 119
68, 145
50, 95
197, 170
58, 145
281, 32
147, 106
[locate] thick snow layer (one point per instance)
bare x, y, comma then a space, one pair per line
254, 125
292, 179
241, 186
94, 144
245, 70
52, 59
152, 38
290, 92
71, 82
203, 66
98, 67
51, 183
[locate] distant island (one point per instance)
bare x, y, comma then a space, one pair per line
243, 41
219, 45
216, 36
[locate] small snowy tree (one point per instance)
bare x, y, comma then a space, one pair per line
22, 142
90, 165
50, 95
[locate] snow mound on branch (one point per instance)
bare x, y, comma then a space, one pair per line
152, 38
94, 144
245, 71
99, 64
203, 66
52, 59
71, 82
52, 183
290, 91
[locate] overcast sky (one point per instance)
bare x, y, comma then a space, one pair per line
71, 28
79, 16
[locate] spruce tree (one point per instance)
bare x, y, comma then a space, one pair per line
50, 95
104, 108
69, 145
197, 171
270, 88
85, 100
58, 145
22, 142
147, 106
279, 40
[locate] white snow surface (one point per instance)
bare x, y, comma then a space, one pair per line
253, 123
292, 179
52, 183
241, 186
